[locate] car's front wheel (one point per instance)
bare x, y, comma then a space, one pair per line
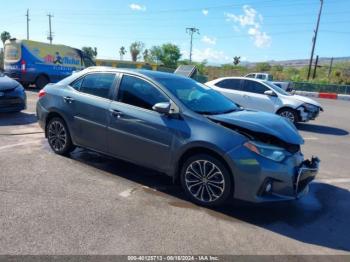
58, 136
206, 180
288, 113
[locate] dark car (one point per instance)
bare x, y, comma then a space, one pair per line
181, 128
12, 95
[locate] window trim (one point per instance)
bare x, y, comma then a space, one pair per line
115, 96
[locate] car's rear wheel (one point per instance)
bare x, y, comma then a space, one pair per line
58, 136
41, 81
290, 114
206, 180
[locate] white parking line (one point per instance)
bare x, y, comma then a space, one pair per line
19, 144
334, 180
127, 193
311, 138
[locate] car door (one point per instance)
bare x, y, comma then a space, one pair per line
232, 89
254, 97
135, 132
90, 109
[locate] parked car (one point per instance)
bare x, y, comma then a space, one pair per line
285, 85
12, 95
179, 127
264, 96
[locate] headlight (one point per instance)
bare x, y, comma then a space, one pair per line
274, 153
310, 107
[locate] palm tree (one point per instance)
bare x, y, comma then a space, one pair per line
5, 36
122, 52
236, 60
135, 49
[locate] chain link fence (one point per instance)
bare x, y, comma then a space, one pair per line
322, 88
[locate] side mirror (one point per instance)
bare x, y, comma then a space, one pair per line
270, 93
162, 108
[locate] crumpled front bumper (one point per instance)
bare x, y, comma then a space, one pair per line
257, 179
306, 115
306, 173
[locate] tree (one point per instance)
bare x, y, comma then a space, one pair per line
156, 54
236, 60
5, 36
263, 67
147, 56
136, 49
122, 52
168, 54
89, 52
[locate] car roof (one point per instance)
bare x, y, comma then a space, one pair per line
237, 77
142, 72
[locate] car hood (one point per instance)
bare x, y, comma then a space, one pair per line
7, 83
262, 122
306, 100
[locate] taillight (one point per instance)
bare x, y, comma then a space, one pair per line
41, 93
23, 66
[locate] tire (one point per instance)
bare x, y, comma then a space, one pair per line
290, 114
41, 81
59, 137
209, 186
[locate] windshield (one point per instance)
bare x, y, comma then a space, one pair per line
198, 97
277, 89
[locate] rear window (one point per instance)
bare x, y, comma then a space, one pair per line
12, 52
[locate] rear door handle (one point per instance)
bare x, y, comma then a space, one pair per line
116, 113
68, 99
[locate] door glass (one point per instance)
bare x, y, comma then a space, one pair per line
137, 92
97, 84
254, 87
234, 84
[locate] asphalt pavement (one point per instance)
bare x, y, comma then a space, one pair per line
92, 204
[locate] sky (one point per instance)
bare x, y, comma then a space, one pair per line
255, 30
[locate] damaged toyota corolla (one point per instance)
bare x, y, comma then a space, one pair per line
181, 128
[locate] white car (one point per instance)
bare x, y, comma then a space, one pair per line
264, 96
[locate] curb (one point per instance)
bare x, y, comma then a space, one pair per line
324, 95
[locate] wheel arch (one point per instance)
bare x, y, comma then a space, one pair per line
199, 150
289, 108
53, 114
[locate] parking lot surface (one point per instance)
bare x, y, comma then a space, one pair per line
92, 204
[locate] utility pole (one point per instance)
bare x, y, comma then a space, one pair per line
330, 68
50, 37
191, 31
27, 15
314, 40
316, 65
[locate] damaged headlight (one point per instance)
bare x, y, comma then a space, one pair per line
274, 153
310, 107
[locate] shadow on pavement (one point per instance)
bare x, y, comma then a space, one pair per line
326, 130
14, 119
320, 218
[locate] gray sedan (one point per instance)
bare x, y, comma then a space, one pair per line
181, 128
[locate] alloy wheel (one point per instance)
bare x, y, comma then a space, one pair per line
205, 181
57, 135
289, 115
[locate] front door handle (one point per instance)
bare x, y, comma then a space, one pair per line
68, 99
116, 113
